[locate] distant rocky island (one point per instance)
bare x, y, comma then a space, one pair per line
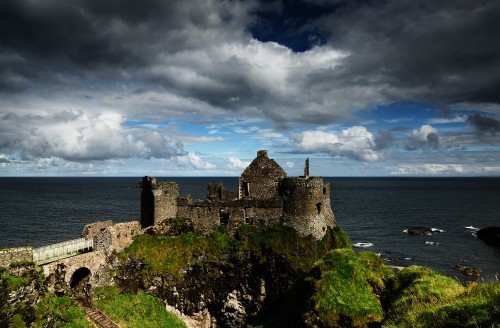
269, 255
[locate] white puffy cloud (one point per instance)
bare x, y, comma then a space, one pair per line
424, 137
193, 160
355, 142
236, 163
78, 136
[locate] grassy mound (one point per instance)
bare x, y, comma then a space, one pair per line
426, 298
138, 310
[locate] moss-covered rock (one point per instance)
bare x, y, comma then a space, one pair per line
21, 285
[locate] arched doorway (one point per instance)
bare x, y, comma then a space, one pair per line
78, 276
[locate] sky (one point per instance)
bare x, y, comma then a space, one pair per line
196, 87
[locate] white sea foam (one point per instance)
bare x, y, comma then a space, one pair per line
437, 230
405, 231
471, 228
432, 243
363, 245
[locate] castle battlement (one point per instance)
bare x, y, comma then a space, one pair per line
266, 195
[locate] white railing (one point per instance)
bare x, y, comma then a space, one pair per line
62, 250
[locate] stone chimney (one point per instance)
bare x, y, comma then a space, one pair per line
261, 153
306, 169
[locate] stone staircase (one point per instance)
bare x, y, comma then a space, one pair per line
99, 319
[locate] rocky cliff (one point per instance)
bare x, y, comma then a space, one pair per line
221, 280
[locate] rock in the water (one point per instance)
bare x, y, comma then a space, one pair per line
468, 271
490, 236
421, 231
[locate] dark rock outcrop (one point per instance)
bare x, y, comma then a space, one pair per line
421, 231
233, 290
467, 270
490, 236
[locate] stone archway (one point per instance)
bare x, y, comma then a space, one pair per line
79, 275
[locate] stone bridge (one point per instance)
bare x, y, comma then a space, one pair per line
106, 238
75, 268
77, 259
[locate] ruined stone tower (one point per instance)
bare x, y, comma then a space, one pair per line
306, 205
261, 178
158, 201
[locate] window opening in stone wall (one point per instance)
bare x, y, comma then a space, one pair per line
247, 214
223, 216
324, 191
318, 207
246, 189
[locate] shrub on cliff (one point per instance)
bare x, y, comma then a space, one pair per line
347, 289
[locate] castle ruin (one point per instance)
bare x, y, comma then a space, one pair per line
266, 195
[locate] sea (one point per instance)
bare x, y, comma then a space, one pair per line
374, 212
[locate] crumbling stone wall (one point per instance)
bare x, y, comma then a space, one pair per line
219, 192
9, 255
306, 206
204, 214
93, 229
261, 178
117, 237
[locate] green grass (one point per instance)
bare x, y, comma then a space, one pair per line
139, 310
170, 254
347, 288
429, 299
57, 311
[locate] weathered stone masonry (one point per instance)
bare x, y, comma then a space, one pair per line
266, 196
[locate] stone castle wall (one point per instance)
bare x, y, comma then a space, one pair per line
209, 215
205, 214
9, 255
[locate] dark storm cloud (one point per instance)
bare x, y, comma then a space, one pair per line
484, 124
93, 33
383, 140
447, 51
205, 55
